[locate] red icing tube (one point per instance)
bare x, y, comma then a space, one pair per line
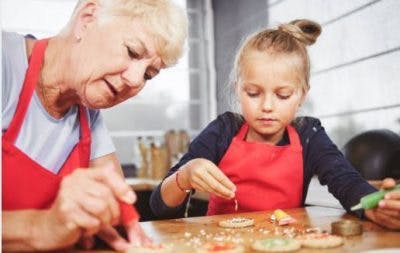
128, 213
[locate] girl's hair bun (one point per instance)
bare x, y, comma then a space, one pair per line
304, 30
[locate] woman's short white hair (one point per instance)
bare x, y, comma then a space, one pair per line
166, 20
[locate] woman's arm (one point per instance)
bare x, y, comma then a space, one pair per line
29, 230
110, 160
86, 203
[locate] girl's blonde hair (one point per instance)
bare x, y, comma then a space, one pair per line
288, 39
167, 21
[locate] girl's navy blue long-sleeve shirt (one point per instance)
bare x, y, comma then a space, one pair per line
321, 157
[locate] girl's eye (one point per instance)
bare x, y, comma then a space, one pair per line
132, 54
283, 96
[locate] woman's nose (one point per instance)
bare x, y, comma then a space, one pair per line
133, 76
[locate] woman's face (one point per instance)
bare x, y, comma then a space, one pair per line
269, 95
113, 61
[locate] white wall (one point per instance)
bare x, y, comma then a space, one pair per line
355, 81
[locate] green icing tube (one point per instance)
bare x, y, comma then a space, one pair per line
371, 200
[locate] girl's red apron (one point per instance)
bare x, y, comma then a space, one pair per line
266, 176
26, 184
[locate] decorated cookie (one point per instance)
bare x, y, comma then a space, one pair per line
276, 245
320, 240
237, 222
221, 247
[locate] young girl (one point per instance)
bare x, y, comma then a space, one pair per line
264, 158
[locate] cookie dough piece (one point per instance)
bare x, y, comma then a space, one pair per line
276, 245
320, 240
237, 222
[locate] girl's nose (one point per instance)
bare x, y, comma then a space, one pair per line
267, 103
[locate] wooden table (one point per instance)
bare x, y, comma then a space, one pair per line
193, 231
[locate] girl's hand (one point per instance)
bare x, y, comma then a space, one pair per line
203, 175
387, 214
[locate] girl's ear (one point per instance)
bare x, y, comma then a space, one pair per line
86, 16
303, 98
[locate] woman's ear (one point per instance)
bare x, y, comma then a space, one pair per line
86, 15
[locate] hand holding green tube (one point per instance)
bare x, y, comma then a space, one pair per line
371, 200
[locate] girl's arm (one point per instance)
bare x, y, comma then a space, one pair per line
167, 200
333, 169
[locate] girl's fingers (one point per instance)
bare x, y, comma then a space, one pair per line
198, 187
202, 186
223, 179
217, 187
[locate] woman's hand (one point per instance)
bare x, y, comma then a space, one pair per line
387, 214
87, 202
135, 233
203, 175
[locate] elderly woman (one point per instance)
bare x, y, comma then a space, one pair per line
61, 179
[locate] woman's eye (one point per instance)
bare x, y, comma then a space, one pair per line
147, 76
132, 54
252, 94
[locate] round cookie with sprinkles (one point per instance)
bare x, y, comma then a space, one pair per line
237, 222
154, 248
276, 245
221, 247
320, 240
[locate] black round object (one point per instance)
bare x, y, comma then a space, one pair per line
375, 154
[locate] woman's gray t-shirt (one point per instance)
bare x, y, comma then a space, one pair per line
46, 140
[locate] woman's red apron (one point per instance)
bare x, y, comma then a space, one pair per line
26, 184
266, 176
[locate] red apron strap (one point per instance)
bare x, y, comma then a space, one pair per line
293, 137
85, 140
31, 78
84, 122
242, 132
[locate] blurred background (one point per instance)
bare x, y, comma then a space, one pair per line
355, 64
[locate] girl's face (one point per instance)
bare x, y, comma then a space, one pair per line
270, 94
113, 61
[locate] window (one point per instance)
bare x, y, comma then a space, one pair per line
181, 97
